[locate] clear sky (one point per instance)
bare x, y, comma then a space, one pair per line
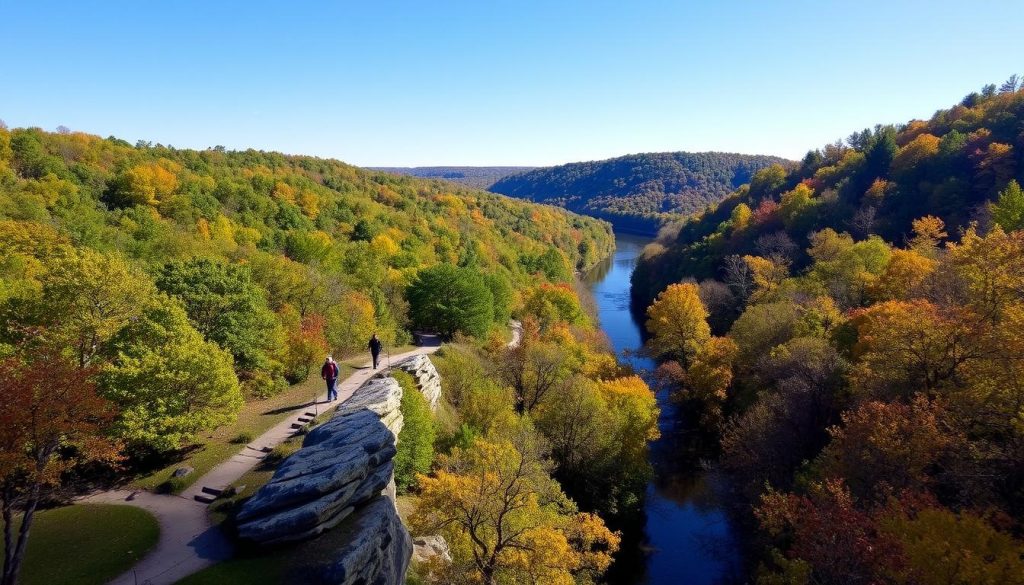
492, 82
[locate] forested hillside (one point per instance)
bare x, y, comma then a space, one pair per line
146, 292
874, 183
850, 332
188, 281
478, 177
638, 192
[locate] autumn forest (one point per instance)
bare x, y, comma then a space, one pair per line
230, 365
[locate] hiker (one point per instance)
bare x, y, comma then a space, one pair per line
329, 372
375, 346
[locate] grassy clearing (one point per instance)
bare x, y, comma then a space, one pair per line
86, 544
255, 418
261, 570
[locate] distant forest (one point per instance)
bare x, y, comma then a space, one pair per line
476, 177
638, 192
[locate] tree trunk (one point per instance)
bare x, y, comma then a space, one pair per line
9, 543
12, 570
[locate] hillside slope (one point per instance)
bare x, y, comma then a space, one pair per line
638, 192
853, 343
875, 182
239, 271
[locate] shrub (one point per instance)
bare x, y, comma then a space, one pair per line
263, 385
416, 440
173, 485
243, 437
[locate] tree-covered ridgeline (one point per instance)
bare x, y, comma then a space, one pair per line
873, 183
166, 287
638, 192
850, 329
190, 280
478, 177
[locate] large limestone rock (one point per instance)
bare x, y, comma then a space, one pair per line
427, 378
371, 547
342, 466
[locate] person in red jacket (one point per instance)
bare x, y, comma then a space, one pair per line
329, 372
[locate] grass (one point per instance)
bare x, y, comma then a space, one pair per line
86, 544
261, 570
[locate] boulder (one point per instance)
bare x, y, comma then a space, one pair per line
425, 548
342, 465
182, 471
426, 376
372, 546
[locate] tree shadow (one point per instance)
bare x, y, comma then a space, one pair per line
293, 407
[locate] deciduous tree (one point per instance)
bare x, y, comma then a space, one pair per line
507, 521
677, 321
51, 419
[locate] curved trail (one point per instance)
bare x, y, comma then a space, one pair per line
188, 542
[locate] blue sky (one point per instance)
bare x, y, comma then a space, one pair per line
496, 83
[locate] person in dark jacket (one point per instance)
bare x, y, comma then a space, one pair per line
375, 347
329, 372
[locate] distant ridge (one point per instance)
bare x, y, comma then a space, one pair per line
477, 177
638, 192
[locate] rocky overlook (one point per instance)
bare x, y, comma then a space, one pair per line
343, 478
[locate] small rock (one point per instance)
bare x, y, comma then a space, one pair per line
425, 548
182, 471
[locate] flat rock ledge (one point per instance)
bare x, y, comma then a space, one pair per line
426, 376
341, 477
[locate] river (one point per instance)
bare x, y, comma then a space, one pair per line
685, 537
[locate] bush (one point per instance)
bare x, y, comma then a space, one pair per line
416, 440
263, 385
243, 437
173, 485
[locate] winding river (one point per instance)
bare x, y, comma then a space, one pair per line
684, 536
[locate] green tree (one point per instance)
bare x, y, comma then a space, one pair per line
89, 297
168, 382
226, 307
416, 439
448, 299
1008, 211
501, 290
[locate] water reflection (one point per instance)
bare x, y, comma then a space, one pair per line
685, 537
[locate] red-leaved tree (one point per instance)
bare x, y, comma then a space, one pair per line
51, 419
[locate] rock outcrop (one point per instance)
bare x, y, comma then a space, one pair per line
427, 378
343, 476
371, 547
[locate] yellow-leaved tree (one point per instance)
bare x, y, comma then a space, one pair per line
507, 521
677, 322
351, 323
